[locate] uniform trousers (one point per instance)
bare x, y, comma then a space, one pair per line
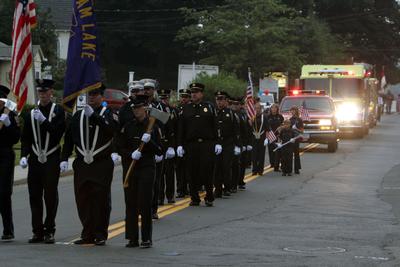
258, 155
223, 168
7, 158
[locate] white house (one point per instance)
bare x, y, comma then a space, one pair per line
35, 73
61, 17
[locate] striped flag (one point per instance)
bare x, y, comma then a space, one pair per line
21, 57
271, 136
304, 115
251, 113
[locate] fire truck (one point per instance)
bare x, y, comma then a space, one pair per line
352, 89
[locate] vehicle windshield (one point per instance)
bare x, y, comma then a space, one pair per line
319, 104
267, 99
341, 88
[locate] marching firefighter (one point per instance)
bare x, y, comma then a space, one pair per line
297, 125
91, 131
236, 165
182, 179
259, 130
274, 120
286, 135
246, 135
40, 150
198, 140
229, 136
139, 193
9, 135
125, 112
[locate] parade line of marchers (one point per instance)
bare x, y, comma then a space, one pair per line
206, 147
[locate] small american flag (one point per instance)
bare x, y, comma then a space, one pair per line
304, 112
21, 57
251, 113
271, 136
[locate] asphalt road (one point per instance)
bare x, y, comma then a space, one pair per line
343, 210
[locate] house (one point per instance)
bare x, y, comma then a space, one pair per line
61, 17
36, 72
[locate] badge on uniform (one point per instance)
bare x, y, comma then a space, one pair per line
227, 115
205, 110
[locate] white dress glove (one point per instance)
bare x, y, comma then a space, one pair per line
64, 166
244, 148
23, 162
279, 145
146, 138
158, 158
38, 115
292, 140
249, 148
136, 155
218, 149
266, 142
5, 119
170, 153
294, 127
180, 152
236, 151
115, 158
88, 110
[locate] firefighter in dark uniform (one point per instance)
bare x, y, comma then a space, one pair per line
236, 168
93, 166
9, 135
139, 194
297, 125
167, 183
287, 135
245, 156
274, 120
198, 140
259, 129
229, 136
149, 90
182, 179
125, 112
43, 129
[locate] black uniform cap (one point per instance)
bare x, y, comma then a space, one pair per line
196, 87
164, 92
221, 93
99, 90
139, 101
184, 92
44, 84
4, 91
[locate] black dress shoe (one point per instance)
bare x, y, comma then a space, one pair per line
289, 174
171, 201
234, 190
297, 172
84, 241
209, 203
154, 216
36, 239
100, 242
260, 173
49, 239
283, 174
8, 237
242, 187
146, 244
132, 244
194, 203
227, 193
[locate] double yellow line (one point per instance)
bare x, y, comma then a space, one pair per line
118, 228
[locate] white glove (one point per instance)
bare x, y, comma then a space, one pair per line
279, 145
158, 158
23, 162
218, 149
64, 166
292, 140
146, 138
249, 148
180, 152
88, 110
266, 142
236, 151
115, 157
136, 155
294, 127
38, 115
244, 148
5, 119
170, 153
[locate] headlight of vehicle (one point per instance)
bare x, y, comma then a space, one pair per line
325, 122
349, 111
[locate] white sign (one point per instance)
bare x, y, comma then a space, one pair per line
187, 73
269, 84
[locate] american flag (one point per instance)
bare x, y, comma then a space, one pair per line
271, 136
21, 57
304, 113
251, 113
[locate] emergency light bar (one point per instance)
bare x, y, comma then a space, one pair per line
332, 72
306, 92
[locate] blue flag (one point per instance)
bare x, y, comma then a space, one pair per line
83, 64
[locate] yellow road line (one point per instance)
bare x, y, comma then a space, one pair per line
118, 228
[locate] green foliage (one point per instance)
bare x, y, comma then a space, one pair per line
6, 20
222, 82
58, 72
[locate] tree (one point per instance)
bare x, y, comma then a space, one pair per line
6, 20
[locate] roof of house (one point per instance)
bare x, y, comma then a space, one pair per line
5, 51
61, 12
